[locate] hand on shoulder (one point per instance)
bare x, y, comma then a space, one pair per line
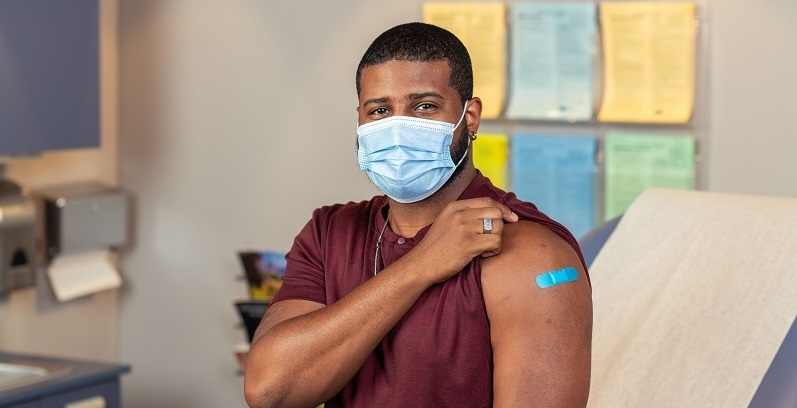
458, 235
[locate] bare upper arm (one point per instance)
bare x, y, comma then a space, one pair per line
282, 311
541, 337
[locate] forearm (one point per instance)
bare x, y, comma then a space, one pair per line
307, 359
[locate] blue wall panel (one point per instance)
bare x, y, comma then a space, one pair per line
49, 75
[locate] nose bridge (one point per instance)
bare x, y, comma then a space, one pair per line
403, 107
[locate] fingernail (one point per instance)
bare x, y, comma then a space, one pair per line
515, 216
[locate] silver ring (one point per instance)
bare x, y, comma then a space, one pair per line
487, 225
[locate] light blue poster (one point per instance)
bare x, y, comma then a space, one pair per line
557, 173
552, 68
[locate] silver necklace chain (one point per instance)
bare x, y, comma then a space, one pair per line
379, 243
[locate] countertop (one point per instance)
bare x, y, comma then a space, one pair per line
81, 374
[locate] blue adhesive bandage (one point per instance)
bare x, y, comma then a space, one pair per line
559, 276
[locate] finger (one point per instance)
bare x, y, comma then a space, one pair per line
508, 214
485, 202
488, 254
489, 225
493, 248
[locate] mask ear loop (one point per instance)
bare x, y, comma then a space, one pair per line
470, 137
466, 153
465, 109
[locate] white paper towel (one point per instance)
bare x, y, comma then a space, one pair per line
694, 293
83, 273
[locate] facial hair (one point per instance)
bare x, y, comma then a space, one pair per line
460, 150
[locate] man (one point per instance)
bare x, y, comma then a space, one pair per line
441, 292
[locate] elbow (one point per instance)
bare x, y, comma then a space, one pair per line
258, 391
253, 398
262, 385
273, 379
254, 393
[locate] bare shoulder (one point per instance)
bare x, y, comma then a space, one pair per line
529, 247
528, 251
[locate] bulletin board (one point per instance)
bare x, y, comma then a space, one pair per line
581, 155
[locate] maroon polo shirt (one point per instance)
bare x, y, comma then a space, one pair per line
439, 354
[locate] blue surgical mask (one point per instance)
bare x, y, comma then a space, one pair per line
408, 158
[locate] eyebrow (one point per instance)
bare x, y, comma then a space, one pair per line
412, 97
383, 99
425, 95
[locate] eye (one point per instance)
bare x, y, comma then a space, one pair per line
381, 111
425, 106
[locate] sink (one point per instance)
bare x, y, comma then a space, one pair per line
19, 373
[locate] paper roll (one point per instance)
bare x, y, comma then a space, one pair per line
694, 293
79, 274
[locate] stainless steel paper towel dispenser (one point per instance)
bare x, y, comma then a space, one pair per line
84, 216
17, 238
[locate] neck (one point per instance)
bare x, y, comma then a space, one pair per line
407, 219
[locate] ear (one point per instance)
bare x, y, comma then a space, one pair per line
473, 115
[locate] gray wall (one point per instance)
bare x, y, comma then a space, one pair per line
753, 117
237, 119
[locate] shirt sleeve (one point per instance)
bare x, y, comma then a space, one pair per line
304, 273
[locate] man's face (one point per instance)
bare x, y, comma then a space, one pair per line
417, 89
409, 88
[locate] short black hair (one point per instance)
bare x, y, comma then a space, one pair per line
424, 43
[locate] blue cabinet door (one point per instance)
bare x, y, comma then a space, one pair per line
49, 75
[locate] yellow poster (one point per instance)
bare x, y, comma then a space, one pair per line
490, 156
649, 61
482, 28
